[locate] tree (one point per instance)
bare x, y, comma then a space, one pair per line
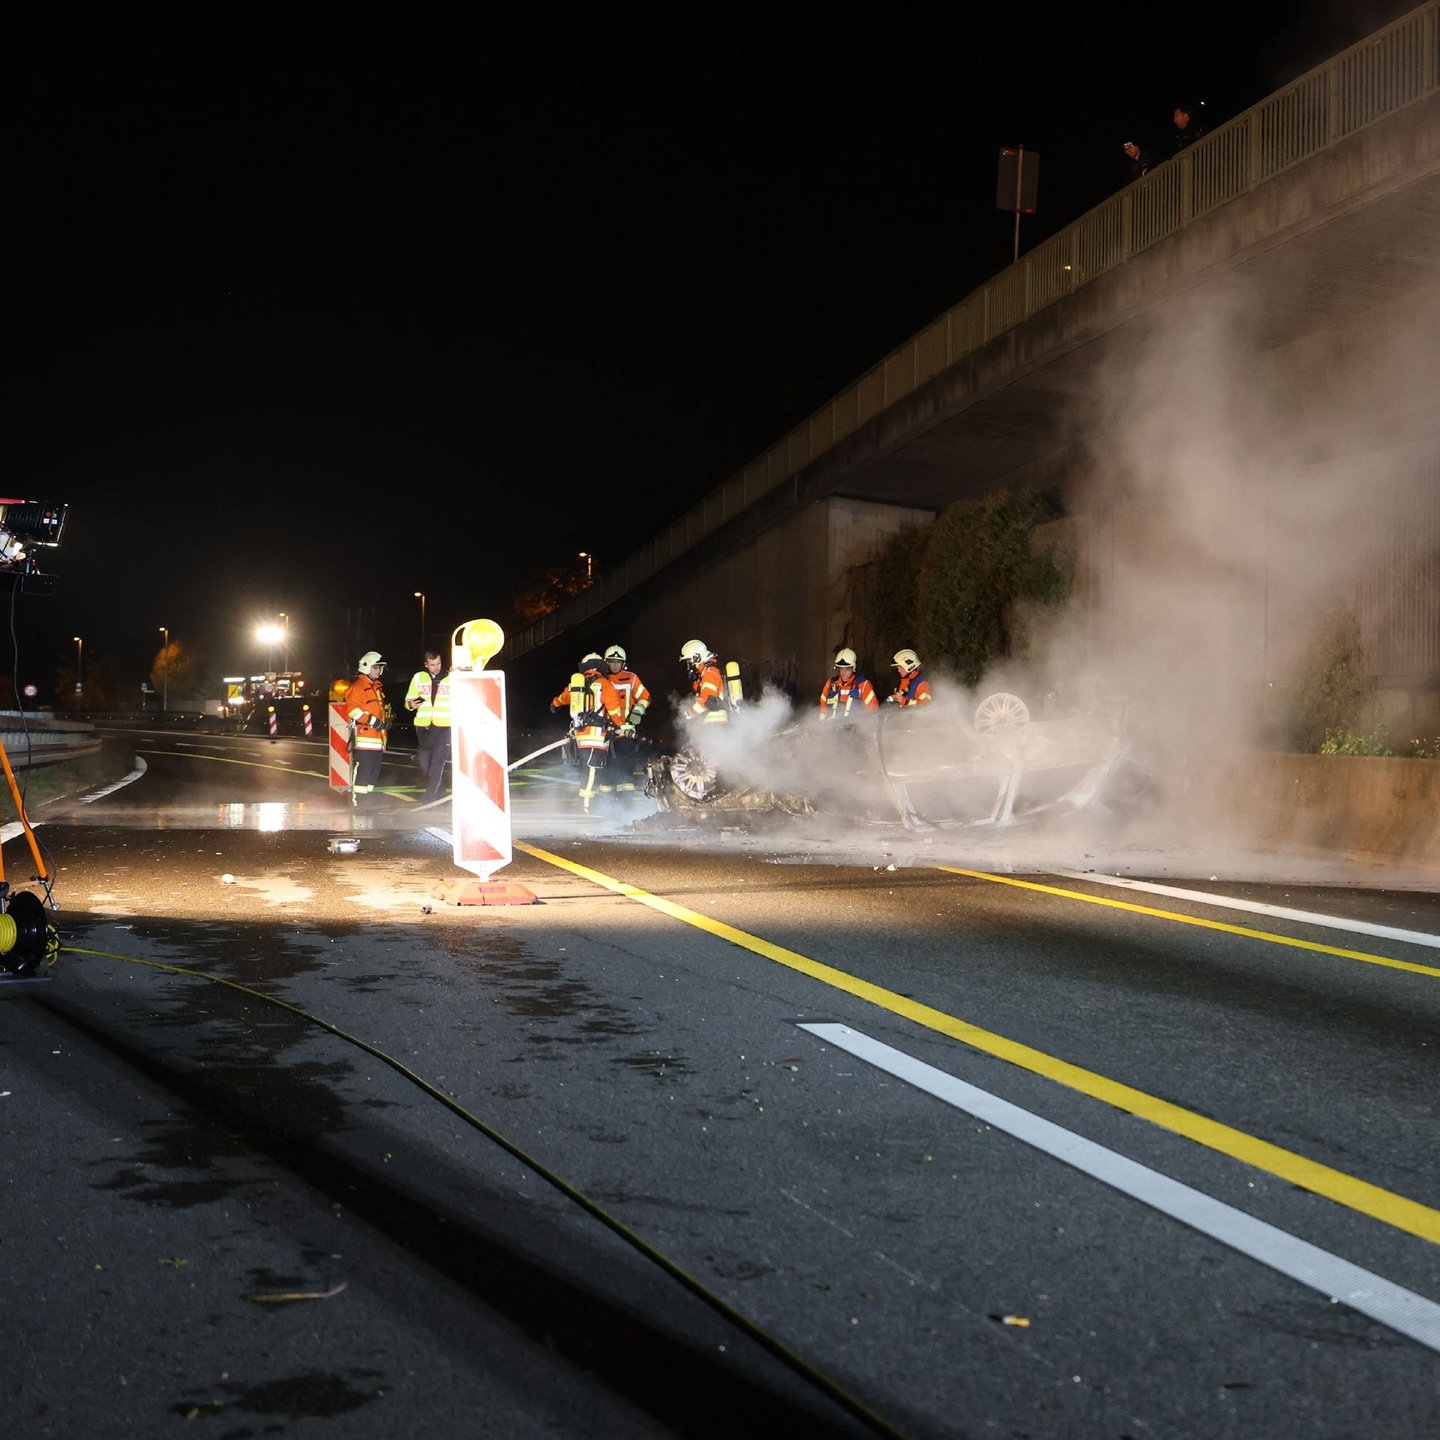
980, 570
891, 599
170, 670
548, 589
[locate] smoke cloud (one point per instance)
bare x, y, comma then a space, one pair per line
1240, 480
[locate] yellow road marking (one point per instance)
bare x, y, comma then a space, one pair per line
1383, 1205
1244, 930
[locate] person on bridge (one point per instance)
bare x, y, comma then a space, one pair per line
707, 682
369, 718
846, 689
596, 715
1188, 128
914, 688
428, 701
635, 700
1137, 160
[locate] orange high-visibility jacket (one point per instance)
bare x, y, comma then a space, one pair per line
603, 711
709, 688
365, 708
634, 696
836, 698
913, 689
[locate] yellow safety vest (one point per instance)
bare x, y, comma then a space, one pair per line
429, 712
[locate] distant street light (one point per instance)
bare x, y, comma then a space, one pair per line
165, 671
589, 560
79, 664
420, 596
285, 644
269, 636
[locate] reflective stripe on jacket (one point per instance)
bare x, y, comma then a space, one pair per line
634, 696
913, 689
836, 698
603, 712
709, 702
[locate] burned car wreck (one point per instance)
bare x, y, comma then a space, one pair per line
951, 763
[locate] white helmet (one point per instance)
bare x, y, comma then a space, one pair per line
370, 659
907, 662
845, 657
695, 652
616, 653
590, 660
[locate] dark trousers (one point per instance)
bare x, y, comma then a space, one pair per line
367, 767
432, 750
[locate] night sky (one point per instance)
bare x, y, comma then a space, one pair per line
314, 306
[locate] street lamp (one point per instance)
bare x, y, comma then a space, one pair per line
79, 664
285, 644
269, 636
420, 596
165, 671
589, 560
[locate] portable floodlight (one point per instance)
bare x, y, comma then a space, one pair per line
27, 526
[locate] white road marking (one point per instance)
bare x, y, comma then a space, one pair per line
13, 828
1256, 907
1337, 1279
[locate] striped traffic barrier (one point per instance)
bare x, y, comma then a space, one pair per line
274, 723
339, 748
309, 726
479, 776
479, 779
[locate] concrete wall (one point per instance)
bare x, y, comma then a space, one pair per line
1381, 811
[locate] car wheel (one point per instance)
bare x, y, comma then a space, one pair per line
1000, 711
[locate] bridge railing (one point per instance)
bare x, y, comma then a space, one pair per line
1383, 73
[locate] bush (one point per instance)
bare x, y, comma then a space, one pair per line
1346, 742
1335, 694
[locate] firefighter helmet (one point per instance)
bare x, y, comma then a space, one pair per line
616, 653
370, 659
591, 661
845, 657
695, 652
907, 662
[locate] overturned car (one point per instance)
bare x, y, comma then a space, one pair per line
952, 762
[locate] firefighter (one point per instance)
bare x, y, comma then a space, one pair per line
846, 689
914, 688
369, 718
596, 714
635, 701
709, 704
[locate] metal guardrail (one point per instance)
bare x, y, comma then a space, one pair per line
32, 740
1387, 71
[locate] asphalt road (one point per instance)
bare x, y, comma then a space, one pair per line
739, 1124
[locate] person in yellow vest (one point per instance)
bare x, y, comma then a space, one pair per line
428, 701
369, 718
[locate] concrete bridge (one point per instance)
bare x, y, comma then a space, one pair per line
1228, 372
